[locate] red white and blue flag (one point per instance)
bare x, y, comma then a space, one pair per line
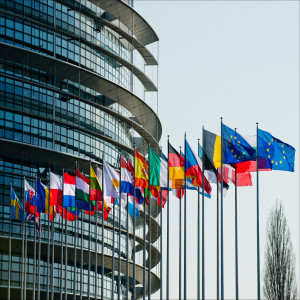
193, 169
69, 191
38, 225
126, 178
29, 199
127, 187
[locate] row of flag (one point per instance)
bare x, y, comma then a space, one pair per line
239, 154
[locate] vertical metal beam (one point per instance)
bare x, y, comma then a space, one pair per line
23, 262
48, 244
180, 243
89, 244
257, 217
134, 221
75, 246
127, 249
81, 256
34, 249
180, 247
198, 238
39, 259
144, 252
218, 240
61, 245
102, 229
119, 241
9, 246
66, 253
161, 247
222, 247
113, 251
52, 258
25, 258
96, 246
168, 229
236, 243
149, 233
203, 223
185, 236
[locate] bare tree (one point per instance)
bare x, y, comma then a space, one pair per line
279, 271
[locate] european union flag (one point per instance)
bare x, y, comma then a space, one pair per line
17, 211
235, 149
280, 155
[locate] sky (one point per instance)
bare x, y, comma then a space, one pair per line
238, 60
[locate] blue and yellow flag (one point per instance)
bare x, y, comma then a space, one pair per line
235, 148
42, 198
280, 155
17, 211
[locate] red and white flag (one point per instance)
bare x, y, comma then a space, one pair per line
243, 179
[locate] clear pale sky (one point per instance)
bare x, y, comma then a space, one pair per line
238, 60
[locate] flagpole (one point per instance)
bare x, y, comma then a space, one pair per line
127, 248
81, 247
52, 249
34, 250
39, 255
25, 258
113, 250
144, 252
222, 253
89, 245
134, 217
168, 229
161, 245
61, 245
218, 241
198, 239
149, 233
185, 237
23, 262
236, 237
75, 240
257, 216
119, 243
48, 245
102, 230
96, 243
180, 243
66, 252
203, 223
236, 245
9, 246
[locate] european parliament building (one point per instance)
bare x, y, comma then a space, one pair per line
78, 80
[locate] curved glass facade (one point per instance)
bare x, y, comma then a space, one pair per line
51, 122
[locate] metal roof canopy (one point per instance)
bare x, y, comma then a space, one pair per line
16, 250
28, 152
145, 53
90, 79
140, 75
130, 18
137, 127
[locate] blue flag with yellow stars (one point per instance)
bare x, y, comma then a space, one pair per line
235, 149
280, 155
